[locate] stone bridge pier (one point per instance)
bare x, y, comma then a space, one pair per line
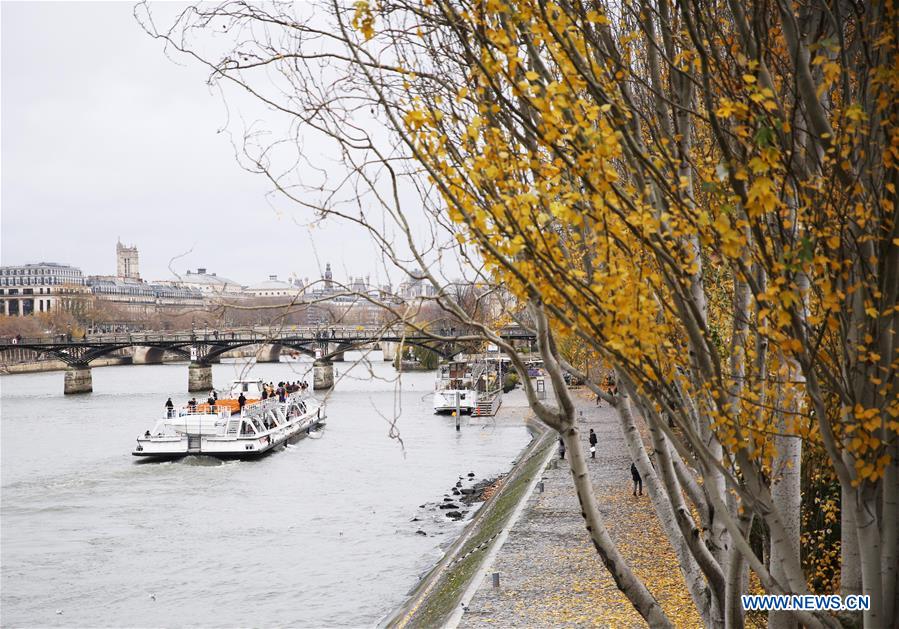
322, 375
389, 349
78, 379
199, 376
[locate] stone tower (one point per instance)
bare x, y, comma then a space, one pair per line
126, 262
328, 277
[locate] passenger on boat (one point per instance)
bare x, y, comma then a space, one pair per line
264, 393
241, 401
192, 405
169, 409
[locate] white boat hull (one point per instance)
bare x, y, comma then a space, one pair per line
445, 401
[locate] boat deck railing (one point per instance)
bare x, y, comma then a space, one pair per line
271, 404
219, 411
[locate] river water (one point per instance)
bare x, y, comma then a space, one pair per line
319, 534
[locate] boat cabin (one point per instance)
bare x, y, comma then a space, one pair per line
251, 389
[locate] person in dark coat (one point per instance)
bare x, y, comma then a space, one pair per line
593, 441
241, 401
264, 393
638, 482
561, 448
169, 408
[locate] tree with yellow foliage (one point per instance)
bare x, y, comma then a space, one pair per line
702, 194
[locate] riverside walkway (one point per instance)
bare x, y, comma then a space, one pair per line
550, 576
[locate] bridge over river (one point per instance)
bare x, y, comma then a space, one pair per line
205, 347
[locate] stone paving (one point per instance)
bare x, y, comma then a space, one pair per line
551, 576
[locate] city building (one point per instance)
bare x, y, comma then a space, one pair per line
131, 295
415, 289
42, 287
126, 262
328, 278
141, 298
210, 284
272, 287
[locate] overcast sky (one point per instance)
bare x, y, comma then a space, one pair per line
105, 137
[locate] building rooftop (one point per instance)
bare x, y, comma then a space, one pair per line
202, 276
271, 284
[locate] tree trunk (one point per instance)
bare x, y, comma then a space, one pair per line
850, 561
737, 581
870, 550
889, 526
785, 493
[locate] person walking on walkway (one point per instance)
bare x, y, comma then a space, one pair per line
561, 448
638, 482
593, 441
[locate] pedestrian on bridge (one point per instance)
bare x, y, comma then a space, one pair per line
593, 441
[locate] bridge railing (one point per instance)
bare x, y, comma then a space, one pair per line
337, 334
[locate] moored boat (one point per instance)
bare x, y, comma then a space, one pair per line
470, 386
259, 428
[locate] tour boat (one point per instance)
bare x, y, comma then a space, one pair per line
258, 429
471, 386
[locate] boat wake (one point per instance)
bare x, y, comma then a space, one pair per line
200, 460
